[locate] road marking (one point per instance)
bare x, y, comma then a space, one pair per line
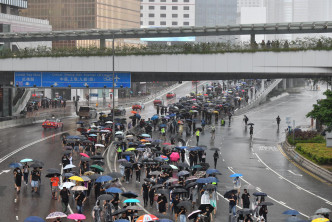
4, 171
328, 202
16, 217
28, 145
280, 176
15, 200
300, 175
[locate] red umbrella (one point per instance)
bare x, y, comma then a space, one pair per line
167, 144
174, 157
146, 218
76, 217
84, 154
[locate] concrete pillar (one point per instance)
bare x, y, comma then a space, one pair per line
249, 95
284, 82
290, 83
253, 93
252, 38
102, 43
263, 85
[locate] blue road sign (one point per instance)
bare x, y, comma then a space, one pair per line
28, 79
73, 79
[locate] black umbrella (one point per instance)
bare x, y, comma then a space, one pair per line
229, 193
115, 175
36, 165
163, 191
39, 162
105, 197
120, 211
194, 214
184, 165
68, 174
203, 207
180, 190
157, 186
83, 158
94, 176
134, 208
155, 173
127, 164
192, 184
166, 167
265, 203
129, 194
251, 124
96, 157
215, 148
187, 204
127, 153
52, 174
87, 141
176, 185
259, 194
245, 211
98, 162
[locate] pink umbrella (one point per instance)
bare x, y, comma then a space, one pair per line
174, 156
76, 217
84, 154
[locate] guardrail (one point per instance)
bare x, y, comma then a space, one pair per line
305, 163
21, 103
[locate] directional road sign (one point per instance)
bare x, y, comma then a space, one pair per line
73, 79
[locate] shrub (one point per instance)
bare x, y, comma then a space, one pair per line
316, 152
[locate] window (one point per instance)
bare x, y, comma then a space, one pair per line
151, 0
174, 23
174, 8
185, 0
141, 7
174, 0
185, 15
186, 23
162, 7
162, 15
141, 15
151, 15
185, 7
174, 15
151, 22
151, 7
141, 23
162, 0
162, 23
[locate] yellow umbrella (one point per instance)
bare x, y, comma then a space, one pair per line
76, 178
215, 112
130, 149
320, 220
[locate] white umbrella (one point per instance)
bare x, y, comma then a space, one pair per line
79, 188
119, 133
109, 122
67, 185
55, 215
69, 166
100, 145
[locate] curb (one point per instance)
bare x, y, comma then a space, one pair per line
306, 164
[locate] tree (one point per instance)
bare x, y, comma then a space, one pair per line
323, 110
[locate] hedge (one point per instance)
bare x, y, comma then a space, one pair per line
316, 152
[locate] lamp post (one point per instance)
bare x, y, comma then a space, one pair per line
113, 93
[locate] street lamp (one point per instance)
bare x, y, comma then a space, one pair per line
113, 93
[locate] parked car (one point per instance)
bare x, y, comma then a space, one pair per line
87, 112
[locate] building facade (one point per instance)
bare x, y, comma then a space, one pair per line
85, 14
167, 13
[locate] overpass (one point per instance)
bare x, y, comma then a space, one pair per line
187, 67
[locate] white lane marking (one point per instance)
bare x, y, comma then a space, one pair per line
16, 217
279, 202
328, 202
15, 200
4, 171
300, 175
28, 145
280, 176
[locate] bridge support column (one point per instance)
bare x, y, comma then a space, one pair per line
263, 85
290, 83
102, 43
284, 84
252, 39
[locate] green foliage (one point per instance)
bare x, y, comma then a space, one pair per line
323, 110
316, 152
316, 139
187, 48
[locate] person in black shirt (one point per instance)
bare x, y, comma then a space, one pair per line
245, 199
175, 209
26, 173
80, 199
162, 201
138, 173
182, 214
64, 194
145, 193
18, 178
34, 178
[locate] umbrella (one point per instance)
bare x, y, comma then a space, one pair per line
53, 170
187, 204
76, 217
68, 174
248, 187
26, 160
210, 187
76, 178
259, 194
291, 212
197, 167
69, 166
37, 165
166, 167
115, 174
203, 207
320, 220
55, 215
194, 214
155, 173
229, 193
163, 191
66, 152
85, 155
97, 167
52, 174
265, 203
94, 176
215, 148
121, 220
79, 188
213, 171
130, 149
174, 167
145, 135
183, 173
129, 194
180, 190
104, 179
114, 190
134, 208
184, 165
97, 157
157, 186
245, 211
34, 219
192, 184
119, 211
127, 154
127, 164
251, 124
236, 175
86, 178
106, 197
294, 219
146, 218
67, 185
83, 158
323, 211
131, 201
99, 145
39, 162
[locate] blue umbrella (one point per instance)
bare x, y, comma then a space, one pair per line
165, 220
154, 117
259, 194
212, 180
26, 160
142, 145
213, 171
236, 175
34, 219
172, 115
294, 219
131, 201
145, 135
73, 137
79, 122
138, 115
104, 179
140, 149
114, 190
291, 212
181, 147
196, 149
92, 135
15, 165
162, 125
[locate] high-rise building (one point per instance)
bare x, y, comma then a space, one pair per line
167, 13
213, 13
85, 14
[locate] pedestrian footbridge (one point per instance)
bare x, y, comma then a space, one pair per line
186, 67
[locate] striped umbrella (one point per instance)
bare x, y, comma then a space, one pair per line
55, 215
147, 217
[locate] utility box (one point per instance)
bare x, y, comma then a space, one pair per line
329, 139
